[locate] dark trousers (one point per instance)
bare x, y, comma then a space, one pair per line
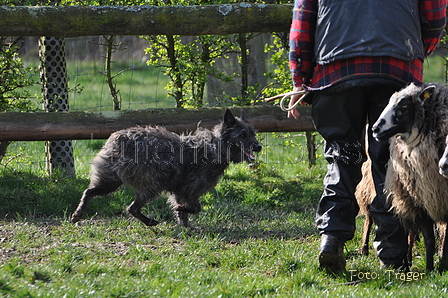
341, 119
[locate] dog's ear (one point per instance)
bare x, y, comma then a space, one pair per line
229, 119
242, 115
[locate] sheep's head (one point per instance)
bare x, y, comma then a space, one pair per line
443, 163
398, 116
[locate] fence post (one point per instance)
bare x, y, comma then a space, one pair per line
53, 77
311, 147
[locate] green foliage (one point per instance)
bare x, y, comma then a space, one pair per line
188, 63
13, 77
280, 75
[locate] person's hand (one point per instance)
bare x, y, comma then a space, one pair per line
294, 112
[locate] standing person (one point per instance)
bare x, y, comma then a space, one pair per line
352, 55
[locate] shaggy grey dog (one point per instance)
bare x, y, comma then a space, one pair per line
153, 160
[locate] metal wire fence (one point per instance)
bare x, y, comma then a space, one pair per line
280, 149
139, 84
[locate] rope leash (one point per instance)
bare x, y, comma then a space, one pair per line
285, 96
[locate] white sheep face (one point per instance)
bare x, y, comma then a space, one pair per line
443, 163
398, 116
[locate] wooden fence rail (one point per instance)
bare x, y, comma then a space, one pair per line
64, 21
15, 126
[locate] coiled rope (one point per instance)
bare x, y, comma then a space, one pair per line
285, 96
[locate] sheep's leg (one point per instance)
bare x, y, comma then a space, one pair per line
443, 246
366, 235
142, 198
426, 226
412, 238
93, 191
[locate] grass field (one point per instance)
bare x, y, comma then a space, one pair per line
254, 238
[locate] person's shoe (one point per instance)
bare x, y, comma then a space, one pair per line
331, 256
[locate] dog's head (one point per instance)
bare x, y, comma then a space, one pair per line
239, 138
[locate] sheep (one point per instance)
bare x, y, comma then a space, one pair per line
365, 193
416, 122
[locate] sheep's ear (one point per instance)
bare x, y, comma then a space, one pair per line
427, 93
229, 119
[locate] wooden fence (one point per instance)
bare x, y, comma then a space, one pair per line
15, 126
61, 21
64, 21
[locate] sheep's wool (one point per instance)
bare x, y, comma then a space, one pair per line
413, 180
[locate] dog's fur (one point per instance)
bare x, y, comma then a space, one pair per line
153, 160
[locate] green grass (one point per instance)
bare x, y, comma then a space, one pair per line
272, 255
255, 236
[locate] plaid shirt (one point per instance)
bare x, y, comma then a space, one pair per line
317, 77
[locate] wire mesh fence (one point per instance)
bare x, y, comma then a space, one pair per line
279, 149
141, 85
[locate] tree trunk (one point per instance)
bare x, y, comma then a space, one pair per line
116, 97
258, 60
175, 75
242, 41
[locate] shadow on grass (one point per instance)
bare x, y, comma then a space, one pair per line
238, 209
26, 194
